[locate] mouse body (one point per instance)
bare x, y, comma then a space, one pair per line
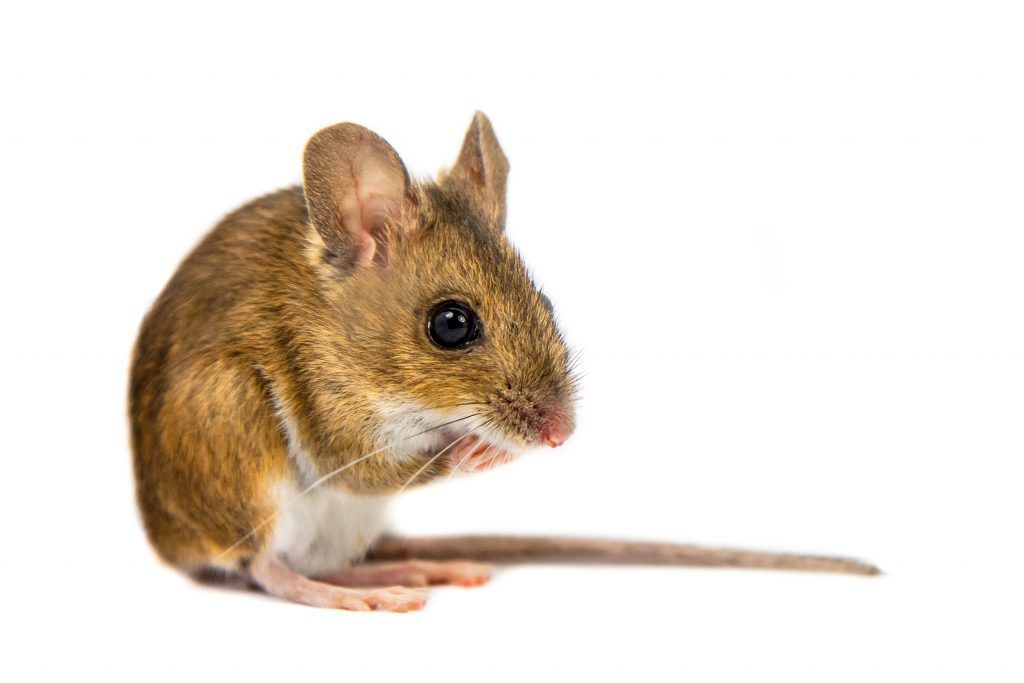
329, 345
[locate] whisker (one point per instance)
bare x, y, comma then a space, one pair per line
450, 422
419, 472
457, 467
431, 461
299, 495
487, 452
338, 471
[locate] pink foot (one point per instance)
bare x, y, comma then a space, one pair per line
412, 573
278, 580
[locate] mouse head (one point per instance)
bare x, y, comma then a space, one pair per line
442, 338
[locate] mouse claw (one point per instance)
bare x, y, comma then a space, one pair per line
395, 599
466, 574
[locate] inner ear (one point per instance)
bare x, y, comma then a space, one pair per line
483, 166
357, 191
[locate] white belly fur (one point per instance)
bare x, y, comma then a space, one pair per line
326, 529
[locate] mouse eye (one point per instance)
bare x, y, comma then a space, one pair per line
453, 325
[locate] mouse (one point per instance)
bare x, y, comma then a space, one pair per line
330, 345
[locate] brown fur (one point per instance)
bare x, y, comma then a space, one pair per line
272, 315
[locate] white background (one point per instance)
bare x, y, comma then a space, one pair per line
787, 237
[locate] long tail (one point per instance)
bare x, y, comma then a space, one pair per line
537, 549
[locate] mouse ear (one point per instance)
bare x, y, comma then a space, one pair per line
483, 165
357, 192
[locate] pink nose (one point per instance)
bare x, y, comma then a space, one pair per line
558, 428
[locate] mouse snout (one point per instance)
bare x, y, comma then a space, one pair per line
557, 427
541, 423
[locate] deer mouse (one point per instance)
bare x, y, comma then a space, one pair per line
330, 345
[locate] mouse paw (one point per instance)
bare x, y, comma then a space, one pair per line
415, 573
394, 598
270, 573
390, 599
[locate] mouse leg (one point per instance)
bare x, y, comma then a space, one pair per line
412, 573
273, 576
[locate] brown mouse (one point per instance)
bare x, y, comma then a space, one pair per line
329, 345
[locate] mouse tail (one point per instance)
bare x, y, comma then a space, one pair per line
542, 549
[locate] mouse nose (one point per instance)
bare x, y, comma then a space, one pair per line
557, 429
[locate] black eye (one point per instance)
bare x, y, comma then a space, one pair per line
453, 325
